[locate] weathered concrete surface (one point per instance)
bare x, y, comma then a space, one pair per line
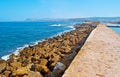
99, 57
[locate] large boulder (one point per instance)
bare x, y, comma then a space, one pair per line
16, 65
60, 66
45, 70
7, 73
21, 71
43, 61
3, 65
2, 75
34, 74
58, 70
41, 68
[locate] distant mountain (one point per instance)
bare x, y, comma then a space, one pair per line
98, 19
104, 19
56, 20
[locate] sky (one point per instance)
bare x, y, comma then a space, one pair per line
17, 10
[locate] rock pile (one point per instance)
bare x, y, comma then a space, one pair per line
48, 58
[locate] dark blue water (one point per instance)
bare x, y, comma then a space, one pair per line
18, 34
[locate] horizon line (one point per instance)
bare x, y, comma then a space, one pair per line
38, 19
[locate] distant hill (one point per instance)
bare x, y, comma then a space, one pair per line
98, 19
104, 19
56, 20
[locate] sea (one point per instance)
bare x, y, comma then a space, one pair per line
15, 36
116, 29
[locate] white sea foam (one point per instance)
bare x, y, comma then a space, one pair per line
71, 27
5, 57
56, 25
65, 25
110, 24
60, 33
20, 48
15, 52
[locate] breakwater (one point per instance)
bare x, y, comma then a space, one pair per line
48, 58
99, 56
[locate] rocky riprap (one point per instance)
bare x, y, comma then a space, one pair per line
48, 58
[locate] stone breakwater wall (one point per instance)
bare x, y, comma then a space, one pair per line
99, 56
48, 58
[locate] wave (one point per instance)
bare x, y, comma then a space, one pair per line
6, 57
65, 25
70, 26
110, 24
60, 33
56, 25
15, 52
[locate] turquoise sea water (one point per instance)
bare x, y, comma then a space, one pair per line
16, 35
116, 30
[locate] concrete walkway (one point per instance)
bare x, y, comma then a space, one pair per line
99, 57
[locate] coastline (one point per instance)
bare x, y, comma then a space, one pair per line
49, 57
6, 57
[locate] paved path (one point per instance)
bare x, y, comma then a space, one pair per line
99, 57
